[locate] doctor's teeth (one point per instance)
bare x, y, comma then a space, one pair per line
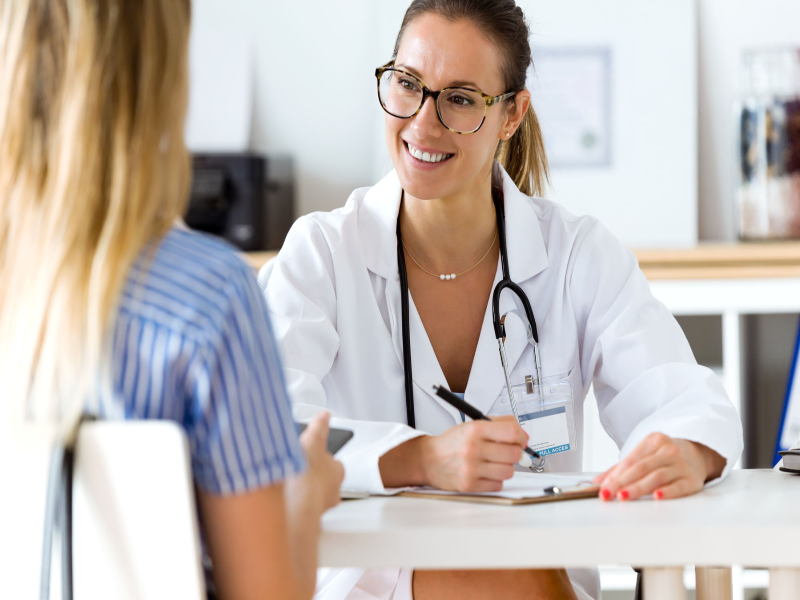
426, 156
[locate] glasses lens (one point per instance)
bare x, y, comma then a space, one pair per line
400, 94
462, 110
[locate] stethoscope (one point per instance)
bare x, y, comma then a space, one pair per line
498, 321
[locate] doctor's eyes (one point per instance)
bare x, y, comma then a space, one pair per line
460, 100
408, 85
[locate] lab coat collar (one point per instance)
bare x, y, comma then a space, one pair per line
527, 253
377, 225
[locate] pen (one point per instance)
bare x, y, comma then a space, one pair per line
469, 410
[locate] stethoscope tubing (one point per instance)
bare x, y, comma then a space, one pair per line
497, 322
409, 382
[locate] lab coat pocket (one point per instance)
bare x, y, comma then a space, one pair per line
546, 412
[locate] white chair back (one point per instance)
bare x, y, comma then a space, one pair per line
135, 527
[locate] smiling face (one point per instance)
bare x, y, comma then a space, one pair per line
431, 161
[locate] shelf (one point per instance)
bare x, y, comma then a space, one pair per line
755, 260
257, 259
723, 261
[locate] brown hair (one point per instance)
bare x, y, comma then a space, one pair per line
503, 22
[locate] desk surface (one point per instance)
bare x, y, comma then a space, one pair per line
706, 261
752, 518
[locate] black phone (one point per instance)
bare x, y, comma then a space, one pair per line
336, 437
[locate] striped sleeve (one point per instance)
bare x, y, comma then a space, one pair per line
240, 421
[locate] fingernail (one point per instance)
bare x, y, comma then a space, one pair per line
624, 494
658, 495
605, 493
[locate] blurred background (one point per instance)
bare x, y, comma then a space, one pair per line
673, 73
676, 122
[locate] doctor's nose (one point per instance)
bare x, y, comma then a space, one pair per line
426, 124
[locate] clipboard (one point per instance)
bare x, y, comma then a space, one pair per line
575, 493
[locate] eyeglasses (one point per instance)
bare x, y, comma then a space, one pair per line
460, 109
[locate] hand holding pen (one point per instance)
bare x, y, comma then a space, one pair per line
476, 415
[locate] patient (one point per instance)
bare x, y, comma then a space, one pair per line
107, 307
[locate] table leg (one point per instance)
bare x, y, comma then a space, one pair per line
714, 583
784, 584
663, 583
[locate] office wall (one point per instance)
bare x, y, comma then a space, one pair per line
314, 89
338, 145
725, 28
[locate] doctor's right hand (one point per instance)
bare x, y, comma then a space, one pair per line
477, 456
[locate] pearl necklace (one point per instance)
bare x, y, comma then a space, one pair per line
451, 276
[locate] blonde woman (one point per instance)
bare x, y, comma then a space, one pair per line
107, 306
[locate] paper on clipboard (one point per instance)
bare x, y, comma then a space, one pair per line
521, 486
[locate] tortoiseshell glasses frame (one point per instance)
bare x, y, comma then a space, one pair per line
426, 92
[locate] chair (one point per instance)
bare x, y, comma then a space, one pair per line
265, 272
135, 527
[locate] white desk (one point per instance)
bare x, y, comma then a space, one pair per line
752, 518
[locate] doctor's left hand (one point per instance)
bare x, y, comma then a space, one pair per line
662, 466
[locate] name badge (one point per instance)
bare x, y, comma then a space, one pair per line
548, 430
545, 412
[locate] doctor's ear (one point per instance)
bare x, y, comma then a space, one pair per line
516, 109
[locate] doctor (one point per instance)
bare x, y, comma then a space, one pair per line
462, 134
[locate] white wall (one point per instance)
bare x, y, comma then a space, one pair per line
339, 147
726, 27
314, 87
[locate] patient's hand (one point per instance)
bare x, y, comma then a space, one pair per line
662, 466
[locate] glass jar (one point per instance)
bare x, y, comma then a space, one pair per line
768, 132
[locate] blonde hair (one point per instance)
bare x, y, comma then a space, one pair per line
92, 103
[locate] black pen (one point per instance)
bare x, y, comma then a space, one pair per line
469, 410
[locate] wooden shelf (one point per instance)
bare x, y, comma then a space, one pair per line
257, 259
723, 261
756, 260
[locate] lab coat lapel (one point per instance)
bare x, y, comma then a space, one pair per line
527, 253
377, 226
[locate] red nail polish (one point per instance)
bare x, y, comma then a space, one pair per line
605, 493
624, 494
658, 495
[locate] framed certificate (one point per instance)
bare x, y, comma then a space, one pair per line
572, 97
614, 85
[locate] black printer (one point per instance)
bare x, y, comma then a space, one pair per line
247, 199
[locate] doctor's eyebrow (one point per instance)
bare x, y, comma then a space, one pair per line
459, 83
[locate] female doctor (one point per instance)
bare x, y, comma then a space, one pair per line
462, 136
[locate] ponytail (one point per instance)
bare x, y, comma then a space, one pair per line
524, 158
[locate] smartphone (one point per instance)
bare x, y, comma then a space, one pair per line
336, 437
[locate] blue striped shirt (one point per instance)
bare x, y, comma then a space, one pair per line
193, 343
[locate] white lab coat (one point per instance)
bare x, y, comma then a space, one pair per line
334, 297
